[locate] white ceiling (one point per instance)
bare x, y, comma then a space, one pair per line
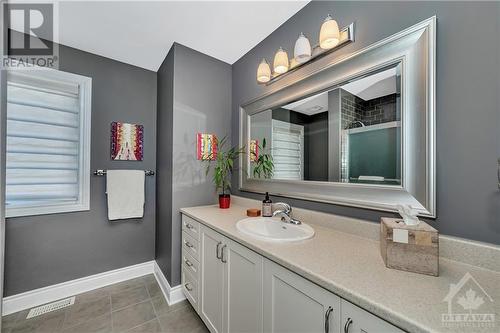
310, 105
141, 32
367, 88
373, 86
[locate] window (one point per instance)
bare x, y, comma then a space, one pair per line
48, 142
288, 150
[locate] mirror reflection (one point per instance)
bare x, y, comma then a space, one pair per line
350, 133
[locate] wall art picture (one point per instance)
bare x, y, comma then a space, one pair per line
206, 146
127, 142
254, 150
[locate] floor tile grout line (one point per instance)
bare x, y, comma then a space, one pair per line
128, 306
144, 323
85, 321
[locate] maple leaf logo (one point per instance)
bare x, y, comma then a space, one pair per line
470, 301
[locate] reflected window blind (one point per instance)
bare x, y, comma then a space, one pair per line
43, 141
287, 150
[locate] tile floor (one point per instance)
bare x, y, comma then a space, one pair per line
135, 305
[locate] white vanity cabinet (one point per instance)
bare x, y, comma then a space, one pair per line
230, 285
293, 304
211, 280
235, 289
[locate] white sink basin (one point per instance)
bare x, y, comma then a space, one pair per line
272, 229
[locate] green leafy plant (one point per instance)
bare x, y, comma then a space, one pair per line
263, 165
223, 165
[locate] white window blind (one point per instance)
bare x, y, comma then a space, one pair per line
288, 150
48, 139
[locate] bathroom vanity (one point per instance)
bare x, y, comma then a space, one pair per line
335, 281
235, 289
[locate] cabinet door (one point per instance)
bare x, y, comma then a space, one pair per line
294, 304
243, 289
211, 280
357, 320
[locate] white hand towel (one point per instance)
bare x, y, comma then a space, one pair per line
125, 190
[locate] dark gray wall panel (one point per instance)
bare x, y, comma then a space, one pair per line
468, 200
202, 103
48, 249
164, 150
194, 95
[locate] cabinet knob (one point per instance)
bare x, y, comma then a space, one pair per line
327, 319
188, 286
347, 324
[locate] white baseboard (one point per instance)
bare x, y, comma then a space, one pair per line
55, 292
172, 294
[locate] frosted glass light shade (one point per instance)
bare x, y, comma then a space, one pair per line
281, 63
329, 35
263, 72
302, 50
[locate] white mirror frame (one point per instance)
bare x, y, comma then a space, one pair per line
415, 49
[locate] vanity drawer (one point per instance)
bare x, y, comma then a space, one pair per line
190, 264
190, 287
190, 245
191, 227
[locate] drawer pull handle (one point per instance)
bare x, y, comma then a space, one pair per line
222, 254
189, 263
347, 324
189, 226
188, 244
217, 250
327, 319
188, 286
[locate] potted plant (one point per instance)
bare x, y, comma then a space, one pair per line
263, 162
223, 169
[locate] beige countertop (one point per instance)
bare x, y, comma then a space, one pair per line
351, 267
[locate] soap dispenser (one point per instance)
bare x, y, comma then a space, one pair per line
267, 209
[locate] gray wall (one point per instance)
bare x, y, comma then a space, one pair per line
316, 147
48, 249
201, 103
468, 200
164, 165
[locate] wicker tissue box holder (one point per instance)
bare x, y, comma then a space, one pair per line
412, 248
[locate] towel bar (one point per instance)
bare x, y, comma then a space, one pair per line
100, 172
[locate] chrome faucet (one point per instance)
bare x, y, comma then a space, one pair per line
286, 213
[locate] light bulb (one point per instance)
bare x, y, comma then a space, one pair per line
263, 72
302, 50
329, 35
281, 64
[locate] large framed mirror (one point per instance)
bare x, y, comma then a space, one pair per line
358, 131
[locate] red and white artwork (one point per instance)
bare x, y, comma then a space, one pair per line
127, 142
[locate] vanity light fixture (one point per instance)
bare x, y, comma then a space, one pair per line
329, 34
302, 50
263, 72
330, 39
281, 62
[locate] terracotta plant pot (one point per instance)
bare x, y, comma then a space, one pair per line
224, 201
